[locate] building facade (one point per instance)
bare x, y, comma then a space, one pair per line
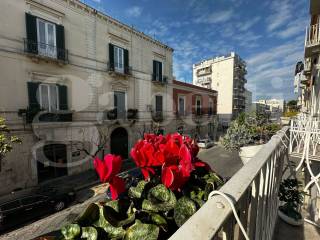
248, 101
226, 75
308, 77
195, 109
74, 81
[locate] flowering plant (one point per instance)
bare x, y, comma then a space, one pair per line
176, 183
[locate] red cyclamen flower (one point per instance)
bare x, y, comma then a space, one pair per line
107, 171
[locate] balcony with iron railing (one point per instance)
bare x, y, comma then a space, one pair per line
45, 51
312, 40
159, 79
123, 71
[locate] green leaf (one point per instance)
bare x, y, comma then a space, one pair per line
183, 210
90, 215
160, 199
71, 231
89, 233
141, 231
119, 213
136, 192
158, 219
112, 232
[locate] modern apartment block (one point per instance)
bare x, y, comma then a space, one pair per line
226, 75
69, 75
248, 101
307, 78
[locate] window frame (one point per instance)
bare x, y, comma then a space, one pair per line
198, 98
157, 97
117, 52
184, 104
49, 96
157, 73
210, 108
47, 46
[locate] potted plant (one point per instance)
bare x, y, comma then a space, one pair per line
175, 185
291, 198
132, 113
247, 134
112, 114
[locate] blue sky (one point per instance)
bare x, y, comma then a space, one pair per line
268, 35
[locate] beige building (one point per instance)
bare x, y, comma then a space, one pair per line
69, 75
226, 75
309, 94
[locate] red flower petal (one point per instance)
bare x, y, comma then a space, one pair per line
117, 186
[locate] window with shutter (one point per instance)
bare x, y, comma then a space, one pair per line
31, 30
157, 71
49, 97
118, 59
47, 40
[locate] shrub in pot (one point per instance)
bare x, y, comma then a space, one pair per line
132, 113
112, 114
292, 198
247, 134
175, 185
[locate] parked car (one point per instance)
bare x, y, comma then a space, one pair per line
205, 143
19, 208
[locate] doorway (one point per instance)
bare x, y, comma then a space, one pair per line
119, 142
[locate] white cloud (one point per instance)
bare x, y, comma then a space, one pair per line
282, 12
134, 11
215, 17
244, 26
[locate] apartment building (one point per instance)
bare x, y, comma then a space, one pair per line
70, 77
195, 109
248, 101
226, 75
308, 77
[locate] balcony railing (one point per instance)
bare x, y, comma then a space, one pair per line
312, 35
45, 50
254, 192
159, 79
125, 71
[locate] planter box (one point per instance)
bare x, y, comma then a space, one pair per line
247, 152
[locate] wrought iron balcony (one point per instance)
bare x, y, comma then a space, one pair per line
45, 51
159, 79
157, 116
124, 71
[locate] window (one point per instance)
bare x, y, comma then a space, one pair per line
181, 105
120, 103
159, 103
157, 71
46, 38
49, 97
198, 106
118, 59
210, 110
31, 200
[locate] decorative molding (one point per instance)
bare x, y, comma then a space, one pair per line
37, 8
122, 86
117, 38
46, 78
159, 55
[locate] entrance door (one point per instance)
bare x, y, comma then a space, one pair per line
119, 142
54, 163
120, 104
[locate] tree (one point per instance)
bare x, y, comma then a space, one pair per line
6, 139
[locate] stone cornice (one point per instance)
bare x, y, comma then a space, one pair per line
92, 11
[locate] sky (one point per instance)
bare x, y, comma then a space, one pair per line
268, 35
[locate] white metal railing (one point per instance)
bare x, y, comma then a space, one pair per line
312, 35
253, 189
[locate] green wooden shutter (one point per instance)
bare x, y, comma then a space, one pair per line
160, 71
126, 61
154, 74
111, 57
60, 42
63, 97
31, 30
34, 106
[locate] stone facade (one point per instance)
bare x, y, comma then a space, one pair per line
76, 63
